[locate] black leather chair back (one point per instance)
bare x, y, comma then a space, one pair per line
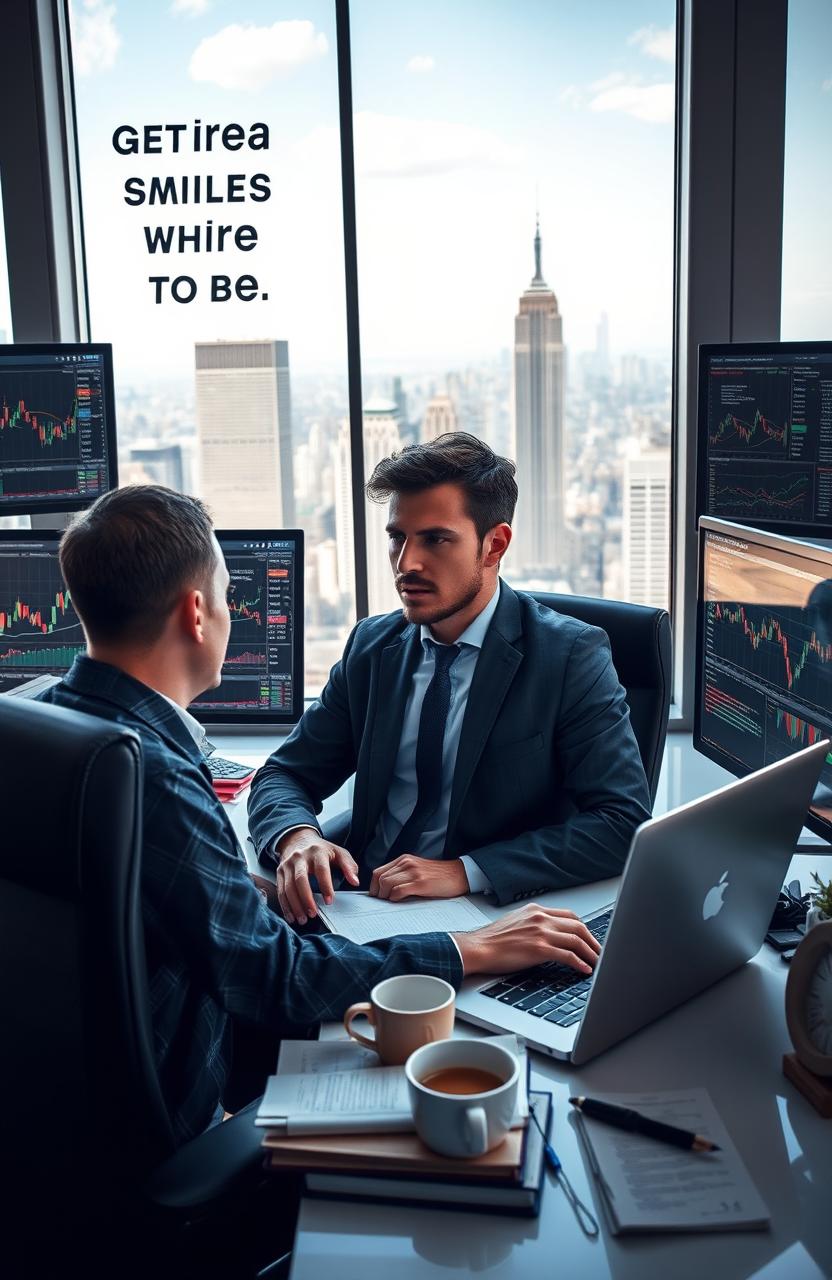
79, 1090
641, 651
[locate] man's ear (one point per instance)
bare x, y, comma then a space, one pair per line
191, 612
497, 541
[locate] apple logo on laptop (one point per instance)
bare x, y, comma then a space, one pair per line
713, 898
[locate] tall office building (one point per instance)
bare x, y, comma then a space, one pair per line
440, 416
244, 427
646, 528
538, 409
381, 437
161, 462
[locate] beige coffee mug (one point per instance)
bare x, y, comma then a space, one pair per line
406, 1012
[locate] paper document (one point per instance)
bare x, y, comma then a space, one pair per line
361, 918
648, 1185
299, 1056
338, 1102
337, 1086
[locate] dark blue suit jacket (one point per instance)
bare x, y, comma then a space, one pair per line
548, 787
214, 949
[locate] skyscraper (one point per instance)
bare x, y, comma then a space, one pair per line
381, 437
440, 416
538, 415
646, 529
244, 427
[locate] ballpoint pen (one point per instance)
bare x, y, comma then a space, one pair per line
635, 1122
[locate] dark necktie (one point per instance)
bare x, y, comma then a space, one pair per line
429, 745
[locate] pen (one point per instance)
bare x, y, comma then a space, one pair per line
635, 1122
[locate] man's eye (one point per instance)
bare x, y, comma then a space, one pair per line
434, 538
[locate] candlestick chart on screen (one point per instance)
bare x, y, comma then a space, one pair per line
778, 645
39, 629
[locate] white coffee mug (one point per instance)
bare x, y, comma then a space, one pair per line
462, 1124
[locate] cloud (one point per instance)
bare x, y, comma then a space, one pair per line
248, 57
394, 147
826, 87
609, 82
193, 8
572, 96
95, 41
421, 63
655, 103
657, 42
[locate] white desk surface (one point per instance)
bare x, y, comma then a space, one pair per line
729, 1039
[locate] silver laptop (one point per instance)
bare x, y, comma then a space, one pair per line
696, 898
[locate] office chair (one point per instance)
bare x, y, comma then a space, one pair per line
640, 641
85, 1135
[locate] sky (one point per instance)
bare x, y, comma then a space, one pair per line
469, 117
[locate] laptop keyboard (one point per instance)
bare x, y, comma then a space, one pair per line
550, 991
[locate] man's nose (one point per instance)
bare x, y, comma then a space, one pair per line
409, 560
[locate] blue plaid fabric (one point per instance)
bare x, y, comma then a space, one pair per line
214, 949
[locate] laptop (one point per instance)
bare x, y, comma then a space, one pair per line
695, 901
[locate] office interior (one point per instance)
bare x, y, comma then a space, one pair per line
333, 220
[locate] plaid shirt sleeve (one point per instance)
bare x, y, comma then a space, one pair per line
198, 893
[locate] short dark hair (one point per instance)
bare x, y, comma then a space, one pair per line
453, 458
129, 556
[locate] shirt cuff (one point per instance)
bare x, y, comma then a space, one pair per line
459, 953
478, 881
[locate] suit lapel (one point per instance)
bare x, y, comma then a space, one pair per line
496, 667
397, 664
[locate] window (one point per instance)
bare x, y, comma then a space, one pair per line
514, 173
210, 178
5, 304
807, 189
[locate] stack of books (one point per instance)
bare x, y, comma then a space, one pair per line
346, 1125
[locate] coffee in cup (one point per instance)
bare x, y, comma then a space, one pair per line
463, 1094
406, 1012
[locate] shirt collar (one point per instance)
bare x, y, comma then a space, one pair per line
195, 729
475, 633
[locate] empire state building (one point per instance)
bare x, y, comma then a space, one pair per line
538, 393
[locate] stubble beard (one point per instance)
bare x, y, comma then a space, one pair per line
462, 602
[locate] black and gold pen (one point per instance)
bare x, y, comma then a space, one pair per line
635, 1122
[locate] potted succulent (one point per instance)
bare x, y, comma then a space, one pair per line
821, 908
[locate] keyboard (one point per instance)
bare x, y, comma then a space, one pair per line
228, 769
552, 991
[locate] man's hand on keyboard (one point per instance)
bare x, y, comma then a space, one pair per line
530, 936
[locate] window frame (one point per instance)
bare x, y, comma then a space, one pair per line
730, 137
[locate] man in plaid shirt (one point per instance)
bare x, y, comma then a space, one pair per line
148, 581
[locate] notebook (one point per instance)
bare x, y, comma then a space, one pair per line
462, 1186
646, 1185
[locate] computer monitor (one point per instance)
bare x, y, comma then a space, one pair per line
763, 652
262, 676
764, 431
57, 426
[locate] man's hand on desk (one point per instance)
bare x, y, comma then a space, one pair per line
413, 877
304, 853
528, 937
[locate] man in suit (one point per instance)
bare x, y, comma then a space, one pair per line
148, 581
489, 736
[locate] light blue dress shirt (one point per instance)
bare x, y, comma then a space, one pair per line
401, 797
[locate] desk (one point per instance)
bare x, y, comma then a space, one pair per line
729, 1039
